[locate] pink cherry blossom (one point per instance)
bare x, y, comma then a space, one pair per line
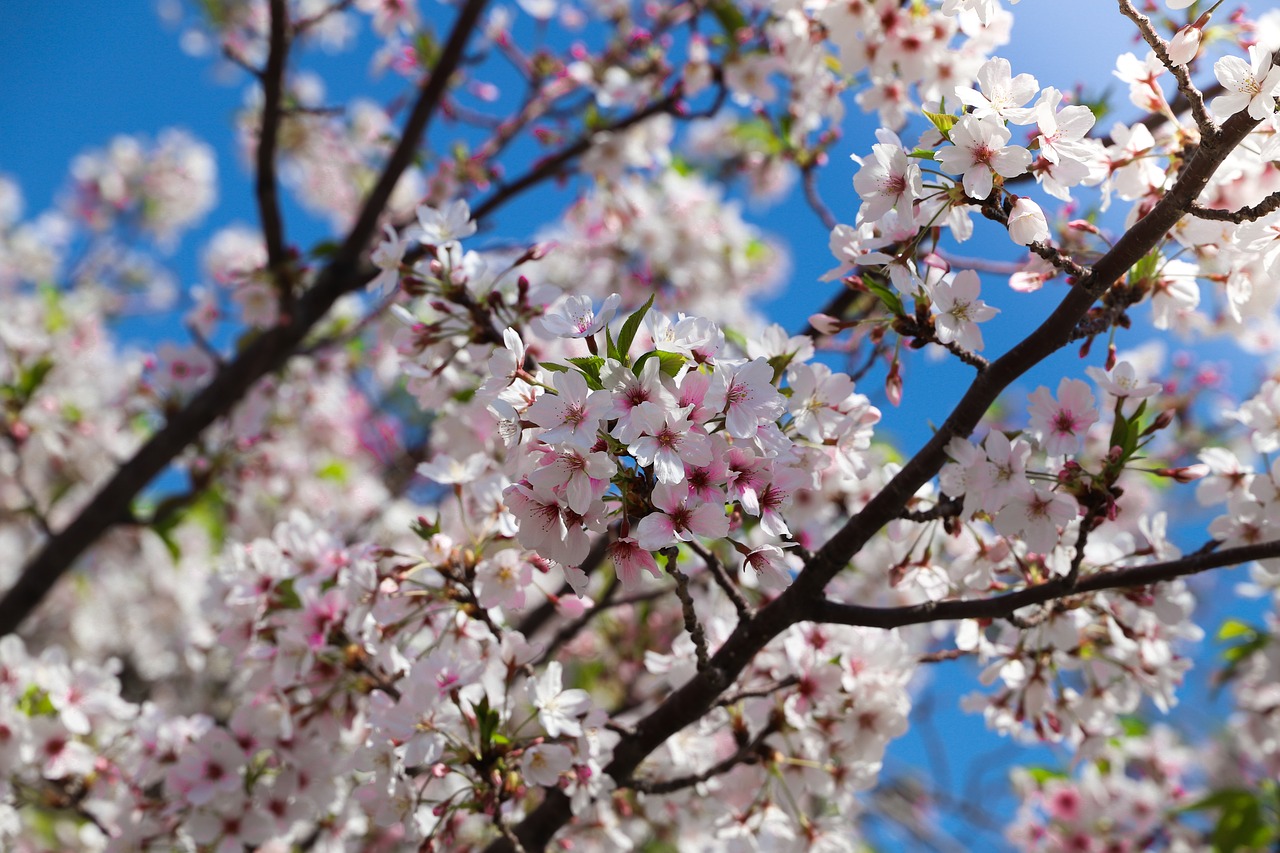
979, 151
960, 310
1035, 514
676, 519
668, 441
629, 559
1060, 424
573, 414
745, 394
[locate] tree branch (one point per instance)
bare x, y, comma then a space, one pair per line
1003, 606
1270, 204
749, 753
266, 188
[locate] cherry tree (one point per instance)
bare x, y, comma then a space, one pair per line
460, 531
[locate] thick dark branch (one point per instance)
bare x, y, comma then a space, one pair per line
1003, 606
266, 188
266, 354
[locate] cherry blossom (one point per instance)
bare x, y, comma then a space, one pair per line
1060, 424
579, 319
1250, 86
979, 151
1002, 95
573, 414
558, 709
890, 181
960, 310
675, 518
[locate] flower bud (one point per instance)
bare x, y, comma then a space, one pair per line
893, 385
1184, 46
1185, 474
1027, 224
825, 323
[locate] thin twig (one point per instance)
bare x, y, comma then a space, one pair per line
1195, 98
748, 753
814, 197
691, 623
757, 693
1270, 204
722, 580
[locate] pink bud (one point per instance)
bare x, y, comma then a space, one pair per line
893, 385
825, 323
933, 259
1186, 474
1184, 46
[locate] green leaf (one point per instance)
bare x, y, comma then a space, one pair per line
1119, 429
669, 362
1132, 433
423, 529
943, 122
335, 471
35, 702
736, 338
55, 318
590, 366
887, 296
488, 720
779, 363
1242, 823
1134, 726
287, 596
923, 154
1233, 628
1145, 269
1043, 774
611, 348
757, 135
730, 18
325, 249
629, 329
553, 366
29, 379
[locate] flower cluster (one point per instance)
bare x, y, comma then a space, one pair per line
161, 189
